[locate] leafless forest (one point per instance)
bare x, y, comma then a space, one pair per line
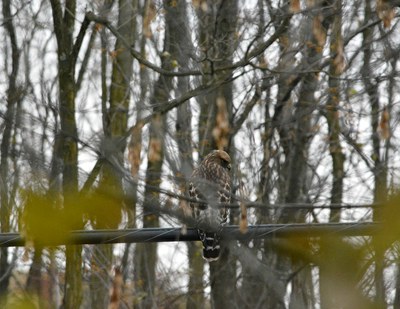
107, 106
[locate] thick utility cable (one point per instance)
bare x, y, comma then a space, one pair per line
190, 234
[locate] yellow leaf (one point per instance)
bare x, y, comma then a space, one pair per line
174, 63
43, 220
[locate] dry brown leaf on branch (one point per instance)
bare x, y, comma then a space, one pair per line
263, 62
221, 129
187, 211
98, 27
319, 32
116, 292
114, 54
243, 224
386, 12
339, 61
155, 150
184, 206
135, 147
26, 256
200, 4
151, 13
384, 126
294, 6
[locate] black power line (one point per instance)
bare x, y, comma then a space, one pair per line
178, 234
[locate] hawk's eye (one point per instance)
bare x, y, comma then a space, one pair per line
226, 164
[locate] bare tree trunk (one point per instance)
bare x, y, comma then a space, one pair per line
110, 190
195, 294
380, 169
13, 96
146, 254
391, 103
219, 120
33, 283
181, 50
332, 111
328, 293
315, 29
281, 122
396, 302
206, 143
208, 109
253, 282
67, 52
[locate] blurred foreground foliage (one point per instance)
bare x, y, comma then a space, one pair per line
45, 220
344, 261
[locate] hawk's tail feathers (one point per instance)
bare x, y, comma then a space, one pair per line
211, 246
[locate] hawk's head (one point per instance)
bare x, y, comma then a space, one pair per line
219, 157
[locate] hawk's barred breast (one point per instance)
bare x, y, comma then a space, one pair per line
210, 183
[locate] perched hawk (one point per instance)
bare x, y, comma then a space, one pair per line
211, 182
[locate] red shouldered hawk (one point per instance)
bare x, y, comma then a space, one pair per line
211, 183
